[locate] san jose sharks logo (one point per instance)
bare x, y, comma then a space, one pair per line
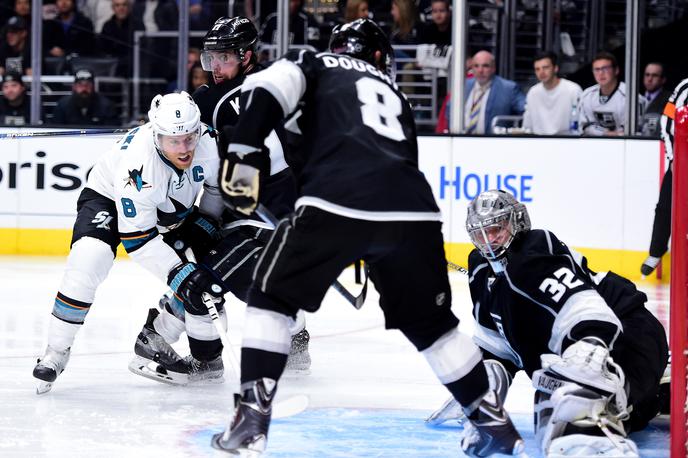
136, 179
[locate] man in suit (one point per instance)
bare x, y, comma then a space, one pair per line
655, 98
489, 95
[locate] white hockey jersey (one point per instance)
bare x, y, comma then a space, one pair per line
599, 114
152, 196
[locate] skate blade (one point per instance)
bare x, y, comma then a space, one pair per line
207, 381
290, 406
149, 369
242, 452
43, 387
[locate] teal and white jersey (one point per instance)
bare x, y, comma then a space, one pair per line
152, 196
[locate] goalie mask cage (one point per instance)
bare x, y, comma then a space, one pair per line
678, 332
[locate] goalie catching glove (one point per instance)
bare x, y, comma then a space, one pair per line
241, 171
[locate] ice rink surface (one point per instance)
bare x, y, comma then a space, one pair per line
369, 389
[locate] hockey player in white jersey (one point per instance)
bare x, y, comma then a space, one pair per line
602, 110
142, 192
596, 355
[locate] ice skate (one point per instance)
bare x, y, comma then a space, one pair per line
489, 430
248, 430
156, 359
299, 360
49, 367
205, 372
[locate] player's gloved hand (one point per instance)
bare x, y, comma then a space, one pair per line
200, 231
190, 281
241, 171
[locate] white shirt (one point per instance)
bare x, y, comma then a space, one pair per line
599, 115
152, 197
149, 16
549, 111
475, 92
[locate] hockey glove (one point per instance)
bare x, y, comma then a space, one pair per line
199, 231
241, 172
190, 282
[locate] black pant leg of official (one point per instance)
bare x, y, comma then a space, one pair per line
661, 228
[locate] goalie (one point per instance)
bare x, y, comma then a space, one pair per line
595, 353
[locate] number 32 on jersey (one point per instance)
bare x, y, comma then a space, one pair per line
564, 279
381, 108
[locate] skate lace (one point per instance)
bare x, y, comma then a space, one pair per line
158, 345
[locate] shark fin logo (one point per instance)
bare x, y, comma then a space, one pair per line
136, 179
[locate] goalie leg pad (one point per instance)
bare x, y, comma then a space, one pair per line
582, 445
574, 421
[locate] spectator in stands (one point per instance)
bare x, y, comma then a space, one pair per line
552, 104
197, 78
439, 31
15, 50
78, 33
304, 29
22, 8
603, 106
355, 9
117, 39
193, 58
85, 107
158, 55
98, 11
654, 98
14, 104
488, 95
405, 17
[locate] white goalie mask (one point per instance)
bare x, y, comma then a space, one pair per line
494, 219
175, 115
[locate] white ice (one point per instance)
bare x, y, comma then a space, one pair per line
98, 408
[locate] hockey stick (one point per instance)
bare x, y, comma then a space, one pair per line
59, 133
357, 301
457, 267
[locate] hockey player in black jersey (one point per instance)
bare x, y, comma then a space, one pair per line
229, 52
361, 195
595, 353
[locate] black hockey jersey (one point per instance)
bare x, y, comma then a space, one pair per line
358, 155
546, 299
219, 103
220, 107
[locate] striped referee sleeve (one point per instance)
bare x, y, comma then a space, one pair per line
678, 99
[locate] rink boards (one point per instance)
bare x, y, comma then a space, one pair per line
596, 194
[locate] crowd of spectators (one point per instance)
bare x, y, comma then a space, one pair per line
74, 29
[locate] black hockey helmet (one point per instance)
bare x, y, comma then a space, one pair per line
361, 39
231, 34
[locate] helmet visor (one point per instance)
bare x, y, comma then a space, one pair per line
210, 59
178, 143
493, 239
